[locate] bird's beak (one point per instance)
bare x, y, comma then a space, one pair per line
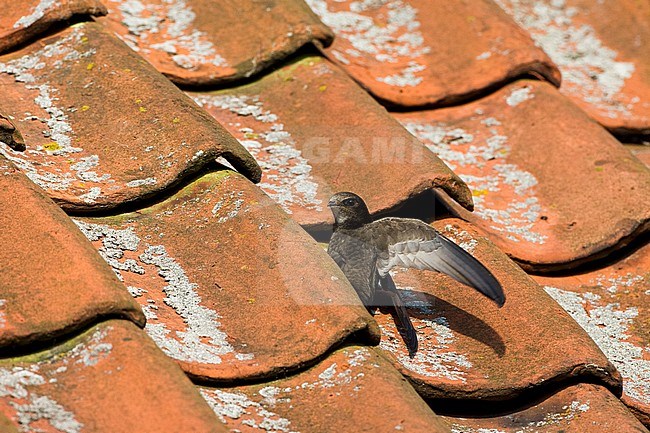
331, 203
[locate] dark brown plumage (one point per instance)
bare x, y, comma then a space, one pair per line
366, 250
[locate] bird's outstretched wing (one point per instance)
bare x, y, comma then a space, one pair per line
412, 243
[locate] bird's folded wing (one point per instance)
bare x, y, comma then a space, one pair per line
413, 244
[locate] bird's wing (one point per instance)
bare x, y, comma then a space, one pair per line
412, 243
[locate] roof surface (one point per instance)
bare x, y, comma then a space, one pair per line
164, 172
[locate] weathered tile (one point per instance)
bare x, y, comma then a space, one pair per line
353, 389
576, 409
195, 42
409, 53
551, 187
315, 133
112, 378
52, 280
102, 127
471, 349
23, 20
613, 305
231, 286
602, 49
641, 151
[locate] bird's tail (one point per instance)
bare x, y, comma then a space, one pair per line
404, 322
402, 319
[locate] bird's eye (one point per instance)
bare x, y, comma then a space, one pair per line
349, 202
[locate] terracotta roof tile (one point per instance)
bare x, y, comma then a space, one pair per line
111, 378
23, 20
238, 295
602, 50
576, 409
642, 152
353, 389
231, 287
539, 170
53, 282
470, 349
315, 132
195, 42
411, 52
611, 304
98, 132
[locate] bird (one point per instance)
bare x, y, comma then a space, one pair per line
367, 250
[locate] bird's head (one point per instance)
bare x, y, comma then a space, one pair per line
349, 210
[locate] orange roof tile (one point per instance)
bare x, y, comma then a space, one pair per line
111, 378
234, 290
353, 388
602, 50
576, 409
231, 287
98, 132
198, 42
315, 133
611, 305
539, 170
23, 20
53, 282
420, 52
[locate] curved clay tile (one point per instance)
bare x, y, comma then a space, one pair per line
422, 52
352, 387
576, 409
200, 42
112, 378
471, 349
232, 288
551, 187
101, 126
603, 51
21, 21
315, 133
611, 304
52, 280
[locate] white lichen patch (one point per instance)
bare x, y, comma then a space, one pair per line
342, 378
287, 174
166, 27
142, 182
457, 428
567, 414
36, 14
202, 340
387, 31
238, 406
461, 238
25, 388
256, 409
621, 282
590, 70
519, 95
43, 163
482, 165
608, 324
230, 206
436, 356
